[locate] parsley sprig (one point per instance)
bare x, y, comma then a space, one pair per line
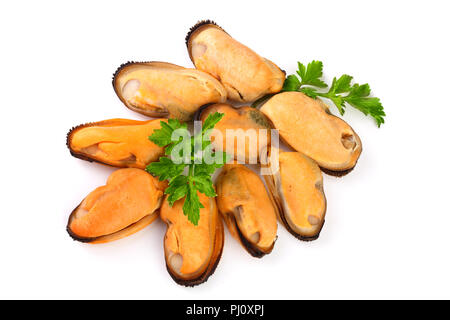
199, 173
341, 91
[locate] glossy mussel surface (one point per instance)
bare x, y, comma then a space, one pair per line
307, 125
161, 89
247, 209
246, 75
115, 142
127, 203
244, 132
297, 188
192, 252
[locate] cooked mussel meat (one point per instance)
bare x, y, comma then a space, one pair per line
160, 89
307, 126
247, 129
127, 203
192, 252
245, 75
248, 211
115, 142
296, 186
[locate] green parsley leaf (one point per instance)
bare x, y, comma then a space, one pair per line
291, 83
341, 85
368, 106
192, 205
163, 137
210, 168
204, 184
178, 188
360, 90
165, 169
199, 174
311, 75
211, 121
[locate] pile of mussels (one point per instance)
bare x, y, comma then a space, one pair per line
225, 69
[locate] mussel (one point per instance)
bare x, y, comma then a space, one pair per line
161, 89
192, 252
297, 189
246, 75
247, 128
116, 142
127, 203
307, 125
248, 211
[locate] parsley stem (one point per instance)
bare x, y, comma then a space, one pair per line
191, 170
324, 95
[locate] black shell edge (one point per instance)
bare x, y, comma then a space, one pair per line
200, 110
88, 240
80, 155
140, 111
123, 65
282, 218
77, 238
198, 25
335, 173
72, 234
208, 272
251, 248
117, 72
299, 236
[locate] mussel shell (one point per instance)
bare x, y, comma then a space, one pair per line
306, 196
152, 151
180, 97
209, 271
308, 127
252, 248
177, 223
241, 195
245, 75
103, 209
198, 27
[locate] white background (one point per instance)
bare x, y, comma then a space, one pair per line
387, 232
